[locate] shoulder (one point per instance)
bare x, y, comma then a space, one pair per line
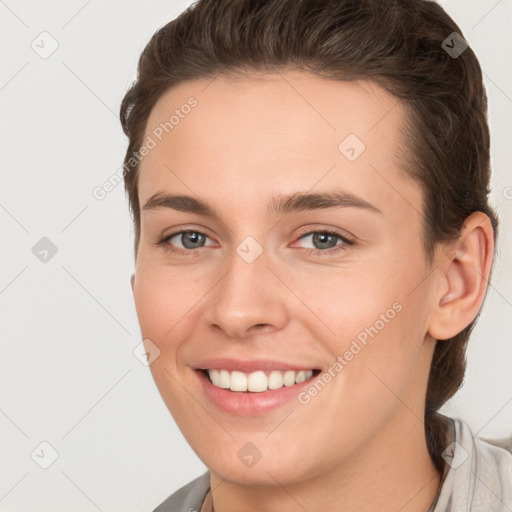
493, 470
188, 498
478, 473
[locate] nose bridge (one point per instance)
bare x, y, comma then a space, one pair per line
248, 294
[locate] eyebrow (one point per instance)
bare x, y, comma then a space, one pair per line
297, 202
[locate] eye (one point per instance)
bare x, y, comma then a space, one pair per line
187, 242
184, 242
326, 241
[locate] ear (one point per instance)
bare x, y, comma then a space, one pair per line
464, 268
132, 279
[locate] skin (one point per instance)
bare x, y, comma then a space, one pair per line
360, 443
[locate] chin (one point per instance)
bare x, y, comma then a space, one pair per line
250, 466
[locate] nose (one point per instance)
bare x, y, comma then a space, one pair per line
248, 299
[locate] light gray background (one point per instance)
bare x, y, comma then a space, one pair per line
68, 373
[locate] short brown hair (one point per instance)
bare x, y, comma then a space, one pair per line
397, 43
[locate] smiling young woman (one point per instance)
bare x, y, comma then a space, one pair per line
313, 242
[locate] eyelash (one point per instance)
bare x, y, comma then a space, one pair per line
163, 242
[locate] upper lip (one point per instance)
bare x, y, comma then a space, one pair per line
250, 365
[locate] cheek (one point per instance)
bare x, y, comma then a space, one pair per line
165, 300
345, 304
373, 322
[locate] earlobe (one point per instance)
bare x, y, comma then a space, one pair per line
464, 274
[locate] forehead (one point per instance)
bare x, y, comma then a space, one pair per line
286, 131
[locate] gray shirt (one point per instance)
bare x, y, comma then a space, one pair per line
477, 477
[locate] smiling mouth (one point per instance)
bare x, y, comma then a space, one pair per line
258, 381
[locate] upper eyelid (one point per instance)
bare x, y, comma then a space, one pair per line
336, 231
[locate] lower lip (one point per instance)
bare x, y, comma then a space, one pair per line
247, 403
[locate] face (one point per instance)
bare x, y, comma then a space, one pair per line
291, 250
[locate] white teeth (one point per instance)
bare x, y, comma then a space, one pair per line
238, 381
214, 376
275, 380
223, 379
258, 381
301, 377
289, 378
